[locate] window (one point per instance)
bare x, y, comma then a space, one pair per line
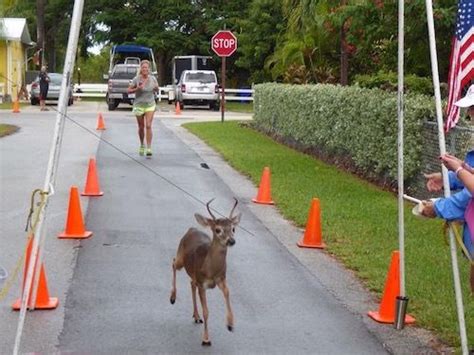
200, 77
124, 72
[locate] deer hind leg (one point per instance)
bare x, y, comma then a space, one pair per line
205, 313
230, 316
176, 266
197, 318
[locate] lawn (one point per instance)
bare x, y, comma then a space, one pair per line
6, 129
9, 105
234, 106
359, 222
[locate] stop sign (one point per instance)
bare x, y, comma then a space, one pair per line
224, 43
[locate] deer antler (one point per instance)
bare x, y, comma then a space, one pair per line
233, 208
209, 210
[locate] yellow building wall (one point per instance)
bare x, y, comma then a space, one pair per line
3, 67
13, 71
18, 66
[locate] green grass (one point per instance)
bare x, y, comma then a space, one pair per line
359, 222
9, 105
6, 129
94, 99
239, 106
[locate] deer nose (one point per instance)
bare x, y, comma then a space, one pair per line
231, 241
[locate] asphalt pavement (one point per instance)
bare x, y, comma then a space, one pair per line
114, 287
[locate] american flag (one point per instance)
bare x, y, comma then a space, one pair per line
461, 70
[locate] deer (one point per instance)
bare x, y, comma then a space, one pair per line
204, 259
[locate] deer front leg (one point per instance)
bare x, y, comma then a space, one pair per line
196, 317
205, 313
230, 316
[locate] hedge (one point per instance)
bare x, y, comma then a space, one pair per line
347, 122
388, 81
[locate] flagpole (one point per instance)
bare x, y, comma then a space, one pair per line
400, 107
447, 191
401, 300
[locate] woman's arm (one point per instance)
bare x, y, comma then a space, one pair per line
131, 88
463, 171
134, 86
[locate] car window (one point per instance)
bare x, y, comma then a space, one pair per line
200, 77
55, 79
124, 72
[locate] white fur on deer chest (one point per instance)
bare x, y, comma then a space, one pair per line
213, 269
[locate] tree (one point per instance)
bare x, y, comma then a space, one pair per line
169, 27
40, 29
259, 30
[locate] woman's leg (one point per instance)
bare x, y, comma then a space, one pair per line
141, 128
41, 97
148, 122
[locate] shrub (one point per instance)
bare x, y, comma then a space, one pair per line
388, 81
346, 122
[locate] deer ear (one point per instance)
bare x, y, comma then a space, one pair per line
236, 219
203, 221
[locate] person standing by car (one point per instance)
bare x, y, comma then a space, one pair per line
44, 86
144, 87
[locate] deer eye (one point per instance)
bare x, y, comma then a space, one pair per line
218, 231
233, 229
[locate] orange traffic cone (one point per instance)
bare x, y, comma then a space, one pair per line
177, 110
100, 123
92, 182
312, 235
75, 224
43, 301
16, 106
264, 191
386, 312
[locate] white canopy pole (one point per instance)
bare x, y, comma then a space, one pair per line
400, 107
447, 192
51, 169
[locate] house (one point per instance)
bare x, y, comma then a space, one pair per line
15, 40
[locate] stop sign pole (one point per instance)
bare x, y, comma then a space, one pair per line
224, 44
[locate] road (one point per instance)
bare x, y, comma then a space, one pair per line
114, 287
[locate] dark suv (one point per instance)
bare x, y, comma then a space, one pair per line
119, 80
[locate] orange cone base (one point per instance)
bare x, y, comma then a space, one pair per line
377, 317
302, 244
64, 235
263, 202
51, 304
100, 193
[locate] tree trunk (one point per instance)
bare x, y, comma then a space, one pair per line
160, 58
344, 57
40, 31
50, 49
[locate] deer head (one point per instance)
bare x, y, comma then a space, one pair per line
223, 229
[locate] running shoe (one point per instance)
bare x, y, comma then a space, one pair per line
141, 151
148, 152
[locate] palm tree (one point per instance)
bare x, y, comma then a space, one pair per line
316, 38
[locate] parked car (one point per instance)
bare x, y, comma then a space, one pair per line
119, 80
198, 87
53, 91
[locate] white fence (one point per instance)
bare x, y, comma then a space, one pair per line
99, 90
